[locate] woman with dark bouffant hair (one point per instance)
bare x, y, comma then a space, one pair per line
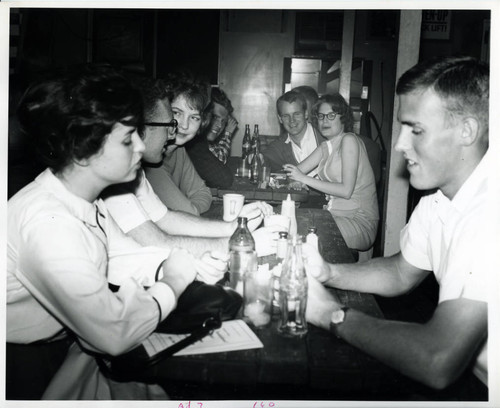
345, 174
64, 249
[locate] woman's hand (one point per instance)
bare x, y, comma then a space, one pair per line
294, 173
255, 213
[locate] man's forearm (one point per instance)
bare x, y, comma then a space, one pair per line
397, 344
390, 276
180, 223
149, 233
430, 352
197, 246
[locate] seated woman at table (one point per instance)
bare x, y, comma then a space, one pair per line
175, 180
345, 174
63, 248
209, 151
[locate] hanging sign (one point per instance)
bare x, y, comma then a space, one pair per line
436, 24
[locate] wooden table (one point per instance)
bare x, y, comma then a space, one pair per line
252, 192
290, 368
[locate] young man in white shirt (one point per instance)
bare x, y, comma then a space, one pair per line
300, 139
443, 111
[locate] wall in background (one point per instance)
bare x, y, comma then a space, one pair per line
252, 50
465, 37
188, 40
242, 51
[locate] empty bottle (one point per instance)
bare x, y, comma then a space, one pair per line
293, 291
246, 146
256, 166
242, 255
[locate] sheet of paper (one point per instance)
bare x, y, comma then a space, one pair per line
232, 335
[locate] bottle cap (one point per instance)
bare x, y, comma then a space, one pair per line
283, 234
312, 229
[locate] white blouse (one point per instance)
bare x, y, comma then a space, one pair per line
61, 253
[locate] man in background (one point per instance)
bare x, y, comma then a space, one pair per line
210, 151
300, 139
311, 96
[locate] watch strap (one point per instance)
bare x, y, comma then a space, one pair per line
334, 326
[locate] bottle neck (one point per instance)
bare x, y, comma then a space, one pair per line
294, 265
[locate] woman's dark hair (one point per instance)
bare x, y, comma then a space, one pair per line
69, 116
339, 106
194, 89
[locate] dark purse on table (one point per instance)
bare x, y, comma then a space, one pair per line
200, 309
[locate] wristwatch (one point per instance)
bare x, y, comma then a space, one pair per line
337, 318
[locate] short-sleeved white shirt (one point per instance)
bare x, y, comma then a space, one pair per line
131, 204
307, 146
450, 238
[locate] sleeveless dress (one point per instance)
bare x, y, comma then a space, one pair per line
357, 217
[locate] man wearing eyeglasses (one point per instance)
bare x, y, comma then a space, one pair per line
142, 215
300, 139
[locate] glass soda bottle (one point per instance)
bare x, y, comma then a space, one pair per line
242, 255
293, 291
246, 146
255, 139
256, 166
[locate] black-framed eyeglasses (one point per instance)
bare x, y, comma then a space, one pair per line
172, 124
329, 116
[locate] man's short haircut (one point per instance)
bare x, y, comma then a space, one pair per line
291, 97
152, 90
219, 96
308, 92
461, 82
69, 115
339, 106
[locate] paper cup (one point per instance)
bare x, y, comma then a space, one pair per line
232, 206
278, 219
